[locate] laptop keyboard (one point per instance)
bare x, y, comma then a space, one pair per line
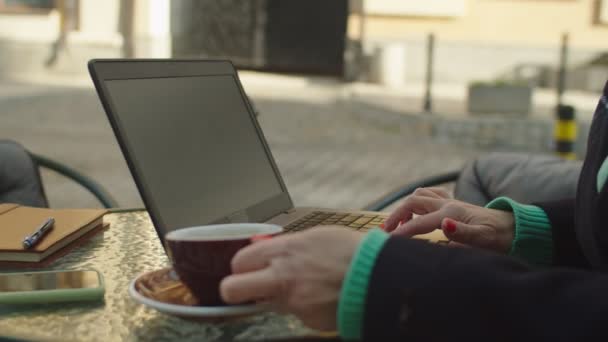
358, 222
320, 218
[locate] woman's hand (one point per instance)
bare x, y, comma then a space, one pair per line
299, 273
462, 223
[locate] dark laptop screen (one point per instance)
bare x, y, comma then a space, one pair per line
196, 147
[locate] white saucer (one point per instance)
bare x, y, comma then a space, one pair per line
193, 311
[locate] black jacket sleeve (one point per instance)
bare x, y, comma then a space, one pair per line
566, 249
424, 292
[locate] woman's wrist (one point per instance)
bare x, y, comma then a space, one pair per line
351, 306
533, 239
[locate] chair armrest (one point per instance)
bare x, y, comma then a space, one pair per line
91, 185
408, 189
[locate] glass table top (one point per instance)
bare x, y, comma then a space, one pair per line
128, 248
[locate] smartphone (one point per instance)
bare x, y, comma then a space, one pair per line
51, 287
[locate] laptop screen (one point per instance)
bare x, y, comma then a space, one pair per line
198, 151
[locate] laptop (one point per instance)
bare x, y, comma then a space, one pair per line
196, 151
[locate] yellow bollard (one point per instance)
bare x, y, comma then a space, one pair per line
566, 132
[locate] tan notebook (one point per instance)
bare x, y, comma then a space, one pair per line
17, 222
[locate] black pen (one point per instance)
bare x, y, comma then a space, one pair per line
33, 239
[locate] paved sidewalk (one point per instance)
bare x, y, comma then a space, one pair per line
327, 153
449, 98
449, 123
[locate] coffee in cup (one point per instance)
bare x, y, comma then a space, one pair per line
201, 256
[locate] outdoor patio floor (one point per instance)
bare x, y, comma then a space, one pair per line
328, 156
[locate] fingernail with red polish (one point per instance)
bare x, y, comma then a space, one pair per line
381, 225
257, 238
450, 225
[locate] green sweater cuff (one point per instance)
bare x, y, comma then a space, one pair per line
533, 240
354, 288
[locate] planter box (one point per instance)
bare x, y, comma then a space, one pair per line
503, 99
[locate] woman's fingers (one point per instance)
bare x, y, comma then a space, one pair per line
427, 223
258, 285
258, 255
439, 192
457, 244
420, 225
427, 192
471, 235
412, 205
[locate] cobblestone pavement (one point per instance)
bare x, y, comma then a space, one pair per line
328, 156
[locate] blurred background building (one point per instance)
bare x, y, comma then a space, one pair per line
480, 39
475, 39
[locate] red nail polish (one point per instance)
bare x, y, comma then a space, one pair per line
381, 225
450, 226
257, 238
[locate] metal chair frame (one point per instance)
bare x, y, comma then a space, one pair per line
395, 195
100, 193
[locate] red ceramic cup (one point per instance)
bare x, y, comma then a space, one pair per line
201, 256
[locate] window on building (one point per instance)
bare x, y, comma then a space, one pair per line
26, 6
